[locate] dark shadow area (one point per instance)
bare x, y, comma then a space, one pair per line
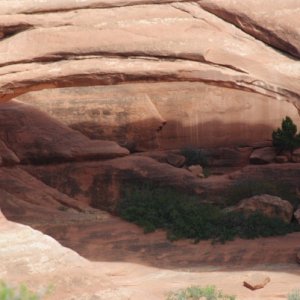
10, 31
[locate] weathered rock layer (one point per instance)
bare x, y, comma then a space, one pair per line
210, 72
165, 115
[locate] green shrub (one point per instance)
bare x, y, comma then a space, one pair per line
286, 137
294, 295
21, 293
197, 293
195, 157
247, 188
183, 217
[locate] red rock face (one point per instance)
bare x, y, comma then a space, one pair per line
35, 137
275, 23
165, 115
218, 85
84, 82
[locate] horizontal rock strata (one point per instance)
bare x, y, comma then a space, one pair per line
143, 116
208, 71
275, 22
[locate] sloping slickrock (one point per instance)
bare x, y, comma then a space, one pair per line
281, 159
296, 156
28, 256
273, 22
25, 191
36, 137
8, 157
298, 257
101, 183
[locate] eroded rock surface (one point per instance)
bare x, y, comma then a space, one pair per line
23, 197
144, 74
119, 271
35, 137
28, 256
125, 114
165, 115
232, 91
101, 184
273, 22
7, 156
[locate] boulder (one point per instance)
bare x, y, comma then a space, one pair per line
263, 155
2, 217
296, 156
296, 152
295, 159
31, 257
196, 170
297, 215
270, 206
298, 257
256, 281
176, 160
281, 159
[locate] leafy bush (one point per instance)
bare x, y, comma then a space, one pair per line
294, 295
286, 137
247, 188
183, 217
195, 157
21, 293
197, 293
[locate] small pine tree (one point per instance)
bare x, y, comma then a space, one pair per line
286, 137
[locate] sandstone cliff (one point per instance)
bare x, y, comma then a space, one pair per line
151, 74
84, 84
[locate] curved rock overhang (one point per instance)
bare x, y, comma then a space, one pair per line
137, 42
